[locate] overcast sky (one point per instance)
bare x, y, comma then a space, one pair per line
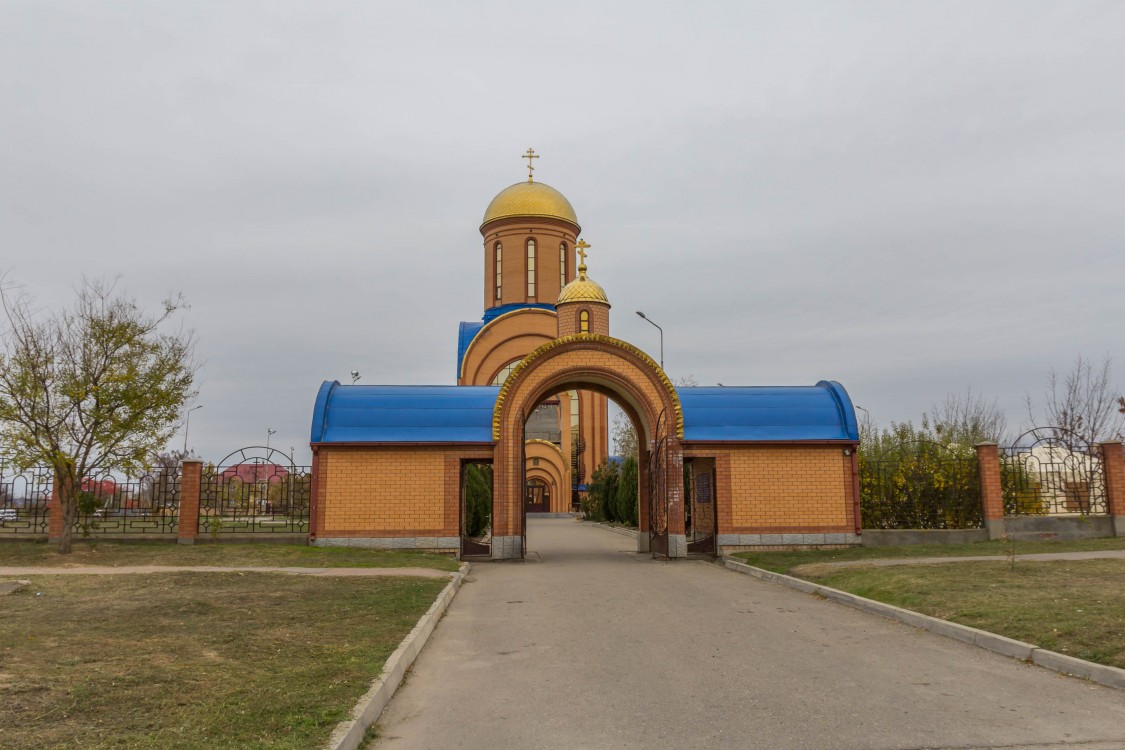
910, 198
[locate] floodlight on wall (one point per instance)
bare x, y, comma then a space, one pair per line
355, 376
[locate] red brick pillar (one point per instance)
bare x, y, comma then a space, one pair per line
991, 492
190, 486
55, 514
1113, 464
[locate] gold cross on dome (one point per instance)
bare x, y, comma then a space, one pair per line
581, 247
529, 156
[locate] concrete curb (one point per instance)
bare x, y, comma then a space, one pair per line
616, 529
1069, 665
349, 734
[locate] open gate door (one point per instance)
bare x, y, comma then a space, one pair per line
658, 490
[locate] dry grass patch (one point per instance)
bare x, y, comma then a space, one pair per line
1073, 607
195, 660
228, 554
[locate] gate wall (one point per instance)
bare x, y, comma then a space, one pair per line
782, 495
391, 496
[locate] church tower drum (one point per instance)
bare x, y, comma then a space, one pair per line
529, 230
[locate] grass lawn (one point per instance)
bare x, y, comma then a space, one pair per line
783, 562
228, 554
1073, 607
195, 660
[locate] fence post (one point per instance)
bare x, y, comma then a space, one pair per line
1113, 464
991, 491
55, 513
190, 487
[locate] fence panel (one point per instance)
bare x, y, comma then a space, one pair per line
145, 504
920, 485
255, 495
25, 498
1050, 471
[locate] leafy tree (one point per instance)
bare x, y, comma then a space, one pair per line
92, 387
626, 493
478, 499
600, 493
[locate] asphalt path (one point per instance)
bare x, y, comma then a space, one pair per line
590, 645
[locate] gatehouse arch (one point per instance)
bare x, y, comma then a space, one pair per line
618, 370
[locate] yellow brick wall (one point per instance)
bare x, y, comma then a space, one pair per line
388, 491
783, 489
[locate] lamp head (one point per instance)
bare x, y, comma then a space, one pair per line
641, 314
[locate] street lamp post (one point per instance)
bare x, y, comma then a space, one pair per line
650, 320
269, 431
187, 423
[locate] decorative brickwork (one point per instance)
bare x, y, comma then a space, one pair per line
508, 337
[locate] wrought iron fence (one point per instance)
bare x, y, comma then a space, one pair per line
920, 485
144, 504
1052, 471
255, 490
25, 498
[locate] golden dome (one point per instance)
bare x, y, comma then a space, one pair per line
583, 289
530, 199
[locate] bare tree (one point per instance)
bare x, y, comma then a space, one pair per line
94, 387
969, 418
1083, 403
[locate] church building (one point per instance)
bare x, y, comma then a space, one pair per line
721, 468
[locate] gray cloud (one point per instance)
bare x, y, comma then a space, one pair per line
909, 198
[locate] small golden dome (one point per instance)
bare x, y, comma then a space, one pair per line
583, 289
530, 199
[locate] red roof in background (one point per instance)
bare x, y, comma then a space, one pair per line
254, 472
100, 487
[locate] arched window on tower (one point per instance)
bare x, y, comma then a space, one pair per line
531, 268
499, 258
562, 265
505, 371
584, 321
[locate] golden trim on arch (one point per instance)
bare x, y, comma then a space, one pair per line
557, 448
592, 338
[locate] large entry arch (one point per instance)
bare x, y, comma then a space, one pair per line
620, 371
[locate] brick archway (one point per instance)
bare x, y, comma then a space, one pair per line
604, 365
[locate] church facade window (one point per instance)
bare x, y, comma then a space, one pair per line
530, 269
505, 371
584, 321
562, 265
499, 262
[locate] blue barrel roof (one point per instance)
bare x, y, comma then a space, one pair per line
455, 414
769, 413
403, 413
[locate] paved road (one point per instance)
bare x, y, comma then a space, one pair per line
595, 646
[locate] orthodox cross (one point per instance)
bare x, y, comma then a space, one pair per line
581, 247
529, 156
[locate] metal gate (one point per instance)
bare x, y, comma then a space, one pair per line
658, 489
700, 508
523, 485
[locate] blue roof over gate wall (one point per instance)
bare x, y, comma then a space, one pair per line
445, 414
769, 413
403, 413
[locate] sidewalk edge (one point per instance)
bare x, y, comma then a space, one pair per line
349, 734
